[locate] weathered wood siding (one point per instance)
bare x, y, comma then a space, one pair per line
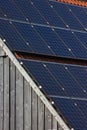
20, 107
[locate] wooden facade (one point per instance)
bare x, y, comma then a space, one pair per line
20, 106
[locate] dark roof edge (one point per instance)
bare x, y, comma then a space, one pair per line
49, 58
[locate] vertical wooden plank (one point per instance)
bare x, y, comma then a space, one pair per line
40, 115
6, 93
47, 119
19, 101
27, 106
34, 111
54, 123
12, 96
1, 93
2, 53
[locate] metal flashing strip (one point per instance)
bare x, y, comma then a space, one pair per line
34, 86
69, 98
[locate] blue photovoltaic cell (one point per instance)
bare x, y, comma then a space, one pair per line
44, 78
80, 14
77, 48
9, 10
48, 13
1, 13
63, 84
73, 111
67, 15
23, 37
82, 37
80, 74
13, 39
85, 9
67, 80
33, 38
83, 106
30, 12
53, 41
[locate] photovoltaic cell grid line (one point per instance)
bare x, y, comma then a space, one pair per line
66, 85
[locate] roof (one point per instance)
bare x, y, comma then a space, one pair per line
47, 41
75, 2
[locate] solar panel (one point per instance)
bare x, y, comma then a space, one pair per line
48, 13
66, 78
9, 10
41, 74
67, 15
32, 37
13, 39
73, 111
82, 37
80, 74
43, 40
28, 22
77, 47
54, 41
30, 12
54, 29
80, 14
66, 85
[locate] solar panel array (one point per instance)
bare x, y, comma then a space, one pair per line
55, 29
66, 85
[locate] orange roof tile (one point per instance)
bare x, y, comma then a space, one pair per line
75, 2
